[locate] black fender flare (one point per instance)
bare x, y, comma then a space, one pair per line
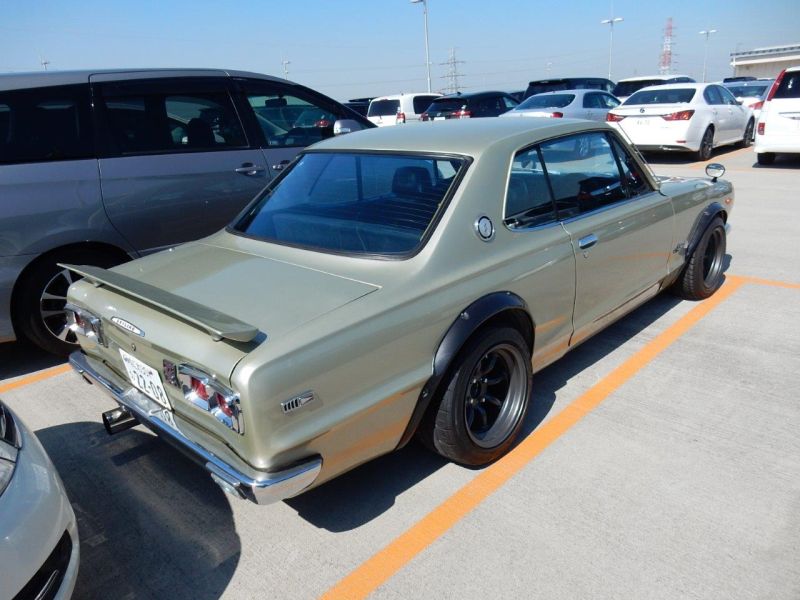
701, 224
468, 322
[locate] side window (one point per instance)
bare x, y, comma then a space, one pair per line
528, 199
509, 103
45, 124
727, 97
169, 116
608, 101
712, 96
590, 101
583, 173
288, 118
632, 176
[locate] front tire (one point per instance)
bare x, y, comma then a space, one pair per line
40, 312
483, 408
703, 274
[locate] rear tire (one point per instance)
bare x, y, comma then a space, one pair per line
702, 275
747, 140
765, 158
483, 408
706, 145
41, 297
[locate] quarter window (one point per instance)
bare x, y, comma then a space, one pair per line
583, 173
528, 199
45, 124
711, 95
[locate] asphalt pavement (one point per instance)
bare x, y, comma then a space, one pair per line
661, 460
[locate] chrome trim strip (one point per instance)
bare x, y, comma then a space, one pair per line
271, 487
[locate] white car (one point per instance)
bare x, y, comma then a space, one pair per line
750, 93
779, 124
399, 108
39, 552
630, 85
571, 104
688, 117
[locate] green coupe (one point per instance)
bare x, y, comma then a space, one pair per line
394, 282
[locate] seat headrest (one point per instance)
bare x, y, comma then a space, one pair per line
411, 181
199, 134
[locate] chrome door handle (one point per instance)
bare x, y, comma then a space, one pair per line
249, 169
280, 166
587, 242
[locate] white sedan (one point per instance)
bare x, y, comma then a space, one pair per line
689, 117
571, 104
38, 532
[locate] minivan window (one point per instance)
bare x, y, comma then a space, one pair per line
747, 91
421, 103
790, 86
163, 118
290, 121
383, 108
447, 104
354, 203
45, 124
662, 96
570, 83
626, 88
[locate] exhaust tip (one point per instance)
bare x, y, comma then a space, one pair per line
117, 420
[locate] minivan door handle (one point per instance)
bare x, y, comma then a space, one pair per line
249, 169
587, 242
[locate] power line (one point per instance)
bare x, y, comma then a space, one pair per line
452, 74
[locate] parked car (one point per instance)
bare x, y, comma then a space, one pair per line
98, 167
572, 104
751, 93
687, 117
779, 122
626, 87
569, 83
468, 106
398, 109
518, 95
360, 105
392, 282
39, 549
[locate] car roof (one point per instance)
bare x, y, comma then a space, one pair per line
398, 96
677, 86
758, 82
458, 136
11, 81
647, 77
579, 92
472, 95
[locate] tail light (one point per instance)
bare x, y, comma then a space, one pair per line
775, 85
323, 123
401, 117
83, 323
757, 106
683, 115
612, 118
206, 393
761, 128
556, 115
462, 114
423, 117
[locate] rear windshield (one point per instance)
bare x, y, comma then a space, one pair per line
354, 203
790, 86
666, 96
447, 105
573, 83
547, 101
626, 88
747, 91
383, 108
421, 103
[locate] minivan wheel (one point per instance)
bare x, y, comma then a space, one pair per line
40, 311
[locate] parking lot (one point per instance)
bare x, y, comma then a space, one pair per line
662, 460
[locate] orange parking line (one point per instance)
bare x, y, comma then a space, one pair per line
378, 569
770, 282
40, 376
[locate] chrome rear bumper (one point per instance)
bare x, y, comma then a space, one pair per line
270, 487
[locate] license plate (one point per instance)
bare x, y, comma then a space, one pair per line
643, 121
145, 379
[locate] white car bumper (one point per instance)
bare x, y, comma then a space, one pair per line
655, 133
38, 531
789, 144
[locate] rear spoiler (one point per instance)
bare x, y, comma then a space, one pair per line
218, 325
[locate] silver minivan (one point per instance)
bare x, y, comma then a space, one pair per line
98, 167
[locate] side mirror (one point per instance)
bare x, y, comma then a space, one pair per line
715, 170
346, 126
739, 102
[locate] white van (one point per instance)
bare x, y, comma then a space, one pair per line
779, 123
399, 108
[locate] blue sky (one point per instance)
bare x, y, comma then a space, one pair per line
348, 48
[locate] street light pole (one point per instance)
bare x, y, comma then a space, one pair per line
427, 54
610, 22
707, 33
